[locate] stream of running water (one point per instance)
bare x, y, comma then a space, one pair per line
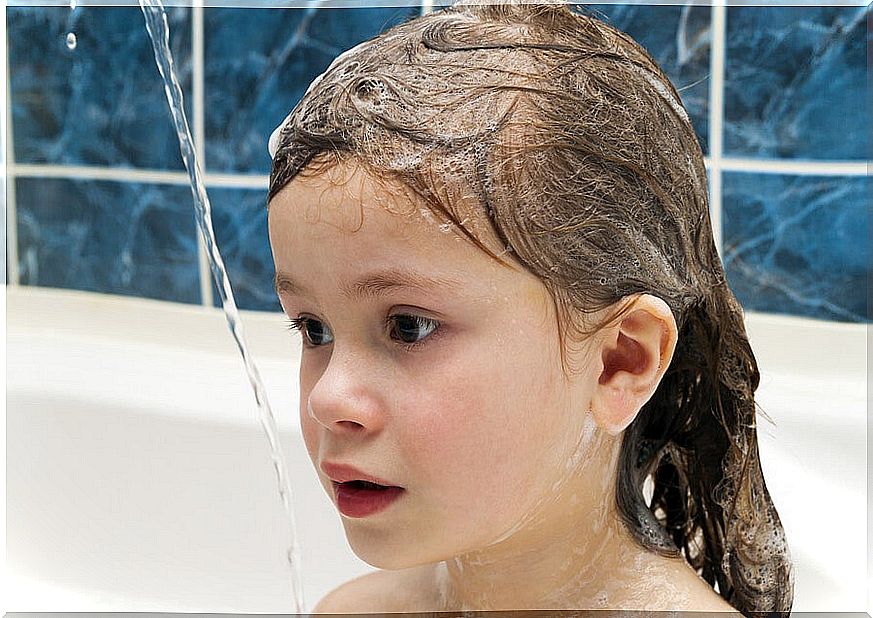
158, 29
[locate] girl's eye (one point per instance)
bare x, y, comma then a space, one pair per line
413, 327
311, 330
409, 330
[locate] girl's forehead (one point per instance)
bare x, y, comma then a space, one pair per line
320, 224
349, 197
353, 210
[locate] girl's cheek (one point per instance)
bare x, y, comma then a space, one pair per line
443, 434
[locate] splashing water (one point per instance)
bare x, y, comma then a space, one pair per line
71, 36
158, 29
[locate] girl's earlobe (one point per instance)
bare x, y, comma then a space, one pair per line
615, 412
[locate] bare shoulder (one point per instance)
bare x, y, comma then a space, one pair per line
363, 594
699, 595
708, 600
669, 584
380, 591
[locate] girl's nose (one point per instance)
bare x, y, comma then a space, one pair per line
345, 399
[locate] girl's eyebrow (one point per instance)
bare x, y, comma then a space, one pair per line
374, 284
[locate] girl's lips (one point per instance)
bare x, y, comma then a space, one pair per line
342, 473
355, 501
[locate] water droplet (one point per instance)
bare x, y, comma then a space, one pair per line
71, 41
72, 5
602, 599
445, 227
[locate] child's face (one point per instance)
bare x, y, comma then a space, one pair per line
477, 422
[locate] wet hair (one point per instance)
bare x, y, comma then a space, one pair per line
582, 160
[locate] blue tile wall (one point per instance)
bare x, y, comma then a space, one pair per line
111, 237
795, 80
239, 218
102, 103
270, 56
798, 244
794, 89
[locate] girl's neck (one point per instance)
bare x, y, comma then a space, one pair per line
561, 572
609, 571
571, 552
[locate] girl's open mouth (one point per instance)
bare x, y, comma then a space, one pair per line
362, 498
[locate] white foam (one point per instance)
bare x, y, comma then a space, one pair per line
273, 142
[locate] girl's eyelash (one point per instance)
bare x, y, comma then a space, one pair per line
299, 324
294, 324
419, 320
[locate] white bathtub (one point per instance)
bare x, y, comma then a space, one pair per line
139, 479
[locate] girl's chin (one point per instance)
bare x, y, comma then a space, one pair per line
386, 553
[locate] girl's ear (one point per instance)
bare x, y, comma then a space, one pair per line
635, 354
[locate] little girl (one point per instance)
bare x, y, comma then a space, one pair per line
525, 382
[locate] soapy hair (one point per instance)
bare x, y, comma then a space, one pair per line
583, 162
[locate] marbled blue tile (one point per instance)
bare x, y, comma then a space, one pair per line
678, 38
118, 238
102, 103
239, 218
795, 80
798, 244
259, 63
